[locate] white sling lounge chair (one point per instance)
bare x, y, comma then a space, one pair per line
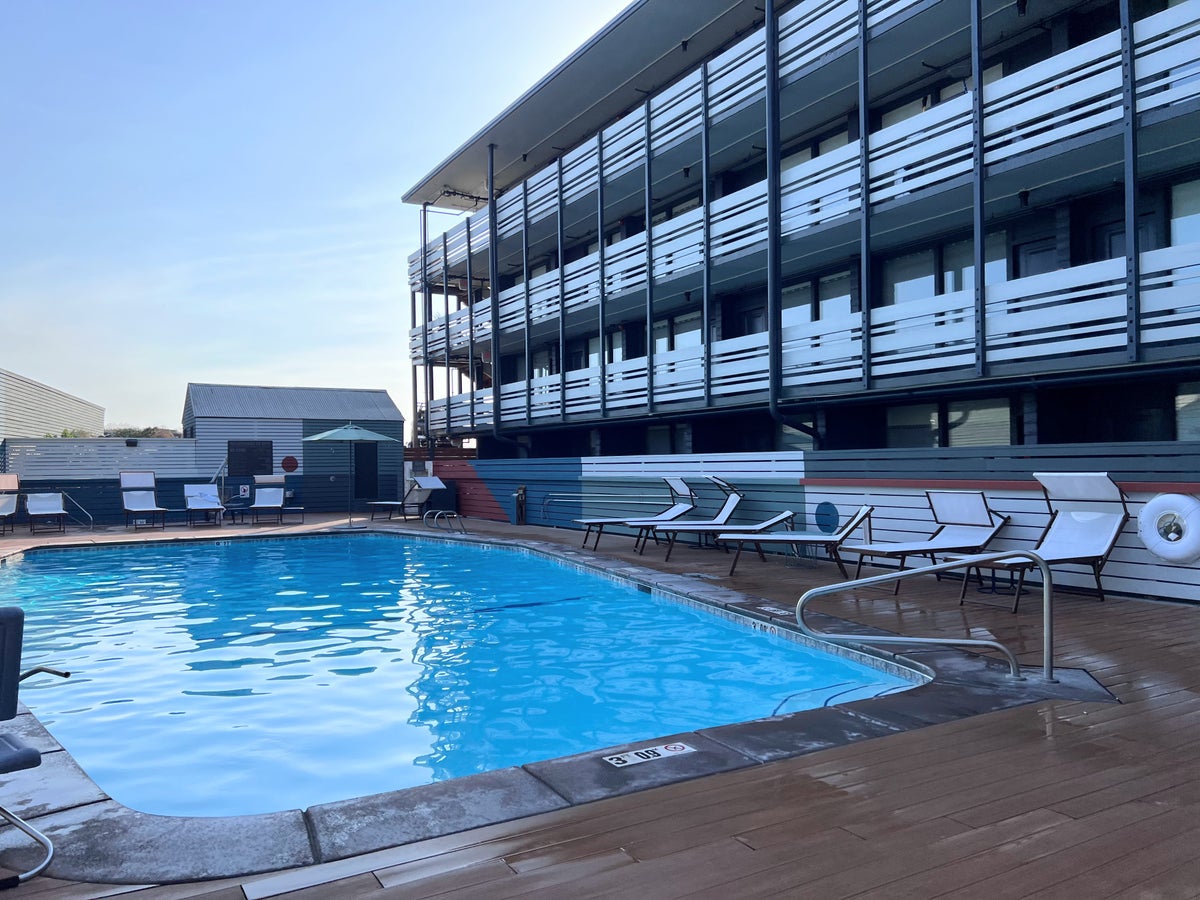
203, 499
46, 510
1087, 513
683, 501
965, 525
270, 494
797, 539
140, 501
414, 499
646, 527
721, 531
10, 483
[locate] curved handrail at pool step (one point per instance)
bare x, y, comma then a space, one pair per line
444, 519
964, 562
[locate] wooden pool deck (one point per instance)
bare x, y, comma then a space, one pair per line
1054, 799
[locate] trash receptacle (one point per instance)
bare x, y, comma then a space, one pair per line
519, 502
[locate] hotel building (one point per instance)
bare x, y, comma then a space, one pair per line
733, 226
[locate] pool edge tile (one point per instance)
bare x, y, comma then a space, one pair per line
349, 827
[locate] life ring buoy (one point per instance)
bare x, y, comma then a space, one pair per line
1169, 526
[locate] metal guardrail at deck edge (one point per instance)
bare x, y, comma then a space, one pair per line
964, 562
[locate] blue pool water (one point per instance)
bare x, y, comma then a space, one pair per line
248, 676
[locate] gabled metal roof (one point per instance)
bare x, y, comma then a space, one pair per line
238, 401
649, 45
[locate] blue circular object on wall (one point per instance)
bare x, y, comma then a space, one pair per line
827, 517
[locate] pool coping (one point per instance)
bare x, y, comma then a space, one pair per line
100, 840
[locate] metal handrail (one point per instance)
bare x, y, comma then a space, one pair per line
964, 562
91, 522
443, 519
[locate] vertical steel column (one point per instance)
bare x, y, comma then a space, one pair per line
600, 251
525, 285
494, 278
1133, 264
446, 327
774, 217
472, 373
426, 304
649, 184
864, 187
978, 196
706, 239
562, 304
412, 318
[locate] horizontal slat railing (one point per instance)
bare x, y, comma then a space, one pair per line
879, 11
829, 351
922, 151
679, 375
679, 244
808, 31
924, 335
1168, 56
820, 190
737, 77
1058, 98
1170, 295
1072, 310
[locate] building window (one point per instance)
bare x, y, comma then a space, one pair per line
248, 458
907, 278
978, 423
913, 426
1185, 213
1187, 412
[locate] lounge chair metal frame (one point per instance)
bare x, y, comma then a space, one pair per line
797, 539
46, 508
274, 488
15, 755
204, 499
683, 500
721, 532
1076, 501
966, 524
646, 527
414, 498
10, 483
139, 497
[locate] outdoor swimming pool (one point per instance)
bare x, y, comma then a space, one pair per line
232, 677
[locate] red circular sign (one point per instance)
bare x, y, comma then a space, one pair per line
289, 464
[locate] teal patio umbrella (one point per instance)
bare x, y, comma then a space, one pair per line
351, 434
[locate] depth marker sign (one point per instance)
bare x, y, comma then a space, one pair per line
646, 754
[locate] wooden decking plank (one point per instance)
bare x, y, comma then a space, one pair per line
960, 876
432, 882
1047, 870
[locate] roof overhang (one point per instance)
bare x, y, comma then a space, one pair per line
650, 44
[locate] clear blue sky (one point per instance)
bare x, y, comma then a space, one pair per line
209, 190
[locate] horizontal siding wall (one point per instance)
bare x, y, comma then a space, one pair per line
85, 459
29, 409
559, 491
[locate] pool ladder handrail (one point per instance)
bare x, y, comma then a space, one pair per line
963, 562
444, 519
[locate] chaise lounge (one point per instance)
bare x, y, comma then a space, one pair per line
965, 524
205, 500
831, 543
1087, 513
683, 501
138, 497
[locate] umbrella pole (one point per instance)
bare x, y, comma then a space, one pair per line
350, 490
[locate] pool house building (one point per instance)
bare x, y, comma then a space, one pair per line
839, 225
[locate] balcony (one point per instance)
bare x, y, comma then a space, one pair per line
1046, 322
